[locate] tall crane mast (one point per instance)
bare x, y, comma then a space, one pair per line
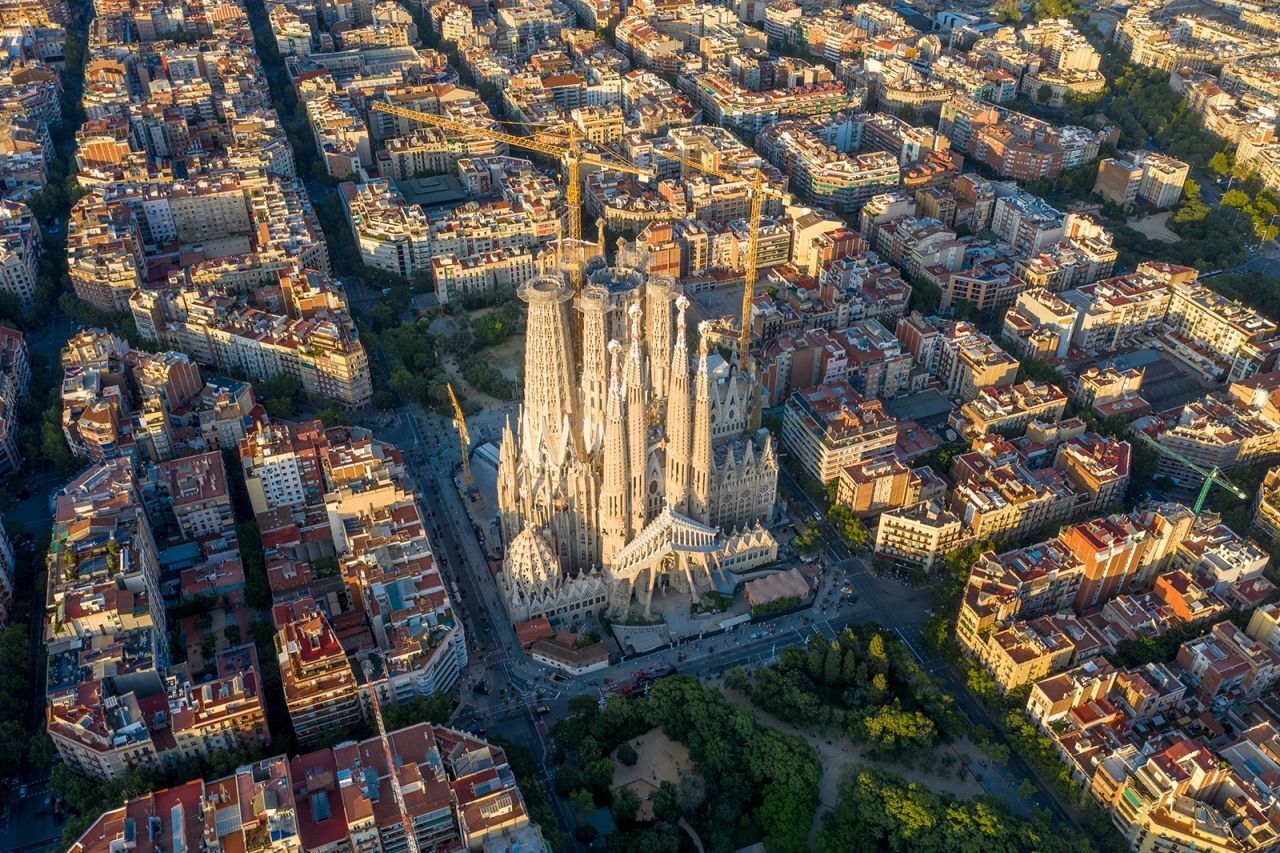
411, 840
464, 437
759, 189
563, 143
1210, 476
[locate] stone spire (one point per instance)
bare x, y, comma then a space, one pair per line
594, 381
700, 463
637, 424
679, 418
657, 336
509, 510
614, 515
550, 398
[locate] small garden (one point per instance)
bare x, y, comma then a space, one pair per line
864, 684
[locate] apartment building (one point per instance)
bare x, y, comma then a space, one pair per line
459, 792
918, 536
1218, 556
1221, 338
1021, 654
1009, 408
1038, 579
1059, 44
878, 366
1145, 176
420, 645
601, 124
194, 491
391, 234
291, 31
428, 151
283, 465
867, 290
103, 594
1053, 697
320, 688
1098, 467
1097, 387
1266, 507
865, 353
793, 363
1039, 325
223, 714
1229, 661
1081, 259
1004, 499
1115, 310
340, 494
483, 274
805, 92
954, 199
969, 361
20, 249
147, 406
1264, 626
113, 703
340, 134
987, 282
104, 253
1016, 146
830, 427
1181, 798
15, 382
1110, 552
1216, 431
1019, 616
909, 144
1027, 223
398, 237
823, 175
872, 486
305, 333
1185, 41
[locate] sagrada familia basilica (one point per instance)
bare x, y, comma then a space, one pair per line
633, 470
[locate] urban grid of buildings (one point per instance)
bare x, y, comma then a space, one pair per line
895, 157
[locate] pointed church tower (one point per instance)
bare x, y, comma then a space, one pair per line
550, 396
593, 386
509, 511
657, 335
614, 517
637, 424
679, 418
700, 463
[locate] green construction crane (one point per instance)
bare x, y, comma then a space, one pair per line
1211, 477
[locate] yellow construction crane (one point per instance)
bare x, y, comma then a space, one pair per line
564, 143
464, 437
759, 189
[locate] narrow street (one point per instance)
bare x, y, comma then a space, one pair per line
27, 822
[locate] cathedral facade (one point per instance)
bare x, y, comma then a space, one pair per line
632, 467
